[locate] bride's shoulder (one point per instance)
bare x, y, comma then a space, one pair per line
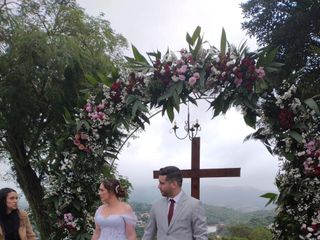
127, 207
102, 207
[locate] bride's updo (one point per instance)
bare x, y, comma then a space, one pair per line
113, 185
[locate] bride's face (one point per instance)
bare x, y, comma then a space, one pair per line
104, 193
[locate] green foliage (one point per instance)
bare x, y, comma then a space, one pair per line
223, 42
271, 196
239, 230
291, 27
51, 55
247, 232
234, 238
260, 233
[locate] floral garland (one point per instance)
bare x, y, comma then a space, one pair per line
287, 124
297, 137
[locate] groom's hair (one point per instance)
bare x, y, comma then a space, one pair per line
172, 173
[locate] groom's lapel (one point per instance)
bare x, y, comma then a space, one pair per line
180, 208
164, 212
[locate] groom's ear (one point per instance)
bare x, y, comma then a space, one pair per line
175, 183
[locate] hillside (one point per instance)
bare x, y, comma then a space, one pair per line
221, 215
244, 199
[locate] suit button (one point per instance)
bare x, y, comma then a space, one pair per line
168, 234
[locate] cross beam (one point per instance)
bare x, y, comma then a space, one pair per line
195, 173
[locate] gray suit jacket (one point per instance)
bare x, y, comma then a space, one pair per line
188, 222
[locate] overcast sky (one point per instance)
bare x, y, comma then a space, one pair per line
156, 25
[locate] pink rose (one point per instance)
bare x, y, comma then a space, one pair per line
182, 77
182, 70
101, 106
76, 142
196, 75
238, 81
101, 115
88, 107
192, 81
94, 116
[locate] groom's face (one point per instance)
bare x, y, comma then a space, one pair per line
165, 186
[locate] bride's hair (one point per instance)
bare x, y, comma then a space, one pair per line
113, 185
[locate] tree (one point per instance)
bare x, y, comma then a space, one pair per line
260, 233
245, 231
49, 52
293, 27
239, 230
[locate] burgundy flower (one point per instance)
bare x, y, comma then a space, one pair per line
249, 86
238, 73
315, 227
157, 64
285, 118
115, 86
317, 171
167, 70
249, 63
116, 97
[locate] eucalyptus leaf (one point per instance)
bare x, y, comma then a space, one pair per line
142, 107
179, 87
197, 47
217, 105
223, 42
312, 104
176, 102
296, 136
130, 99
192, 100
250, 118
91, 79
196, 34
134, 109
271, 69
67, 116
271, 56
189, 39
138, 56
145, 118
276, 64
271, 196
170, 112
202, 78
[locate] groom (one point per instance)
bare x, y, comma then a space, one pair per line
177, 215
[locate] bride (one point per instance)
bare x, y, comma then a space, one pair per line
114, 219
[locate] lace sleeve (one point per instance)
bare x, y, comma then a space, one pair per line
130, 218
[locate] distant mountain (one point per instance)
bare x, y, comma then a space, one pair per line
244, 199
219, 215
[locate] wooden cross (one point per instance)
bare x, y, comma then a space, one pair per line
195, 173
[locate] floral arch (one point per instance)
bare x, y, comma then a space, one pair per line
284, 118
